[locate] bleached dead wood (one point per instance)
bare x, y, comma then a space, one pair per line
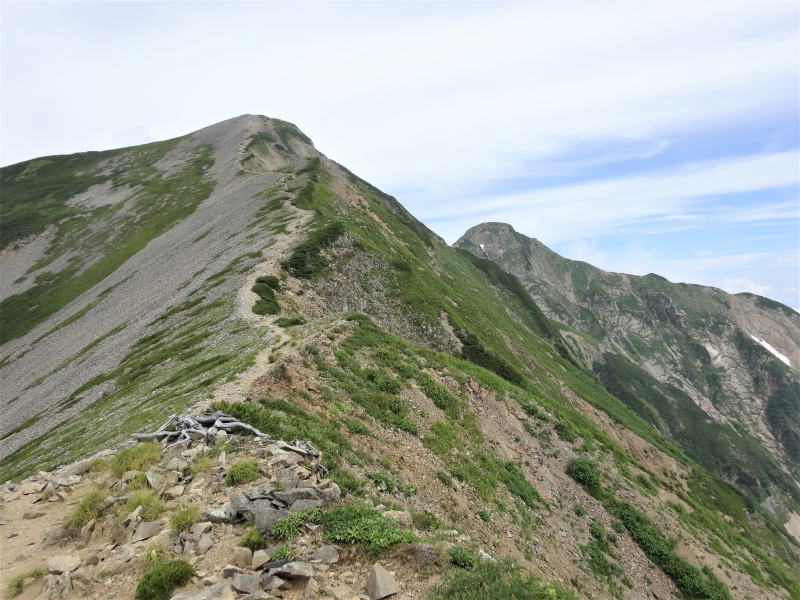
179, 429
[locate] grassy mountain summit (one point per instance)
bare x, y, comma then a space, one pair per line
692, 360
239, 268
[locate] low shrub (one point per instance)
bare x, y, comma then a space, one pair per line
253, 539
163, 577
360, 524
288, 527
269, 280
135, 458
151, 504
90, 507
289, 321
184, 517
242, 471
484, 515
283, 553
585, 472
496, 580
462, 557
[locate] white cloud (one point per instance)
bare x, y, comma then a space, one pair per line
671, 199
743, 284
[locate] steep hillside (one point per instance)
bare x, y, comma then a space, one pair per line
271, 283
701, 365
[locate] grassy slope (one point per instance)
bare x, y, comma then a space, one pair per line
500, 327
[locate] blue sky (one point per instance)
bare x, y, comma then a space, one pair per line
641, 137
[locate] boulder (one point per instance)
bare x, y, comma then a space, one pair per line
145, 530
205, 543
218, 591
220, 514
260, 558
244, 583
326, 554
381, 583
295, 570
293, 495
303, 504
198, 529
63, 563
242, 557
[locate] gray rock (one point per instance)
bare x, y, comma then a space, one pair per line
220, 514
286, 478
177, 464
242, 557
381, 583
155, 479
63, 563
295, 570
273, 582
132, 517
229, 571
218, 591
78, 468
198, 529
67, 481
259, 491
145, 530
206, 541
265, 516
326, 554
303, 504
245, 583
293, 495
260, 558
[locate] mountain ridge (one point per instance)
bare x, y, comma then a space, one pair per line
272, 283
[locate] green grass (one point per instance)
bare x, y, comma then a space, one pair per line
242, 471
306, 260
585, 472
253, 539
160, 203
501, 580
16, 585
164, 576
184, 517
267, 303
135, 458
89, 507
288, 527
152, 505
284, 552
289, 321
359, 524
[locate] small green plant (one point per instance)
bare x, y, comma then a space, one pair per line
445, 478
497, 580
426, 520
462, 557
283, 553
135, 458
242, 471
184, 517
269, 280
382, 480
484, 515
139, 482
201, 464
90, 507
253, 539
585, 472
163, 577
360, 524
289, 321
15, 586
151, 504
153, 554
579, 510
289, 526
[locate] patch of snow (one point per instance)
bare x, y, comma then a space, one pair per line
778, 355
482, 248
